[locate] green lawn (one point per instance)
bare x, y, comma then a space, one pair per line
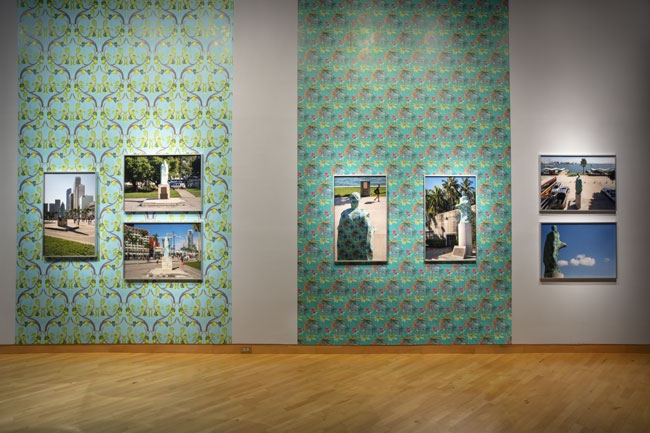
195, 265
344, 191
150, 194
195, 192
55, 247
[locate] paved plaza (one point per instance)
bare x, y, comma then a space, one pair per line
82, 232
187, 202
592, 197
141, 270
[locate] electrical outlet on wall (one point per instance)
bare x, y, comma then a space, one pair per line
246, 349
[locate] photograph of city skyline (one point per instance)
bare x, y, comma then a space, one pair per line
162, 251
69, 225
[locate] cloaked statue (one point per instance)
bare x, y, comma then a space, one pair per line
165, 247
354, 239
552, 247
164, 173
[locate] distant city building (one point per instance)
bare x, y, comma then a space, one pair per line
75, 198
86, 201
136, 243
189, 239
68, 199
78, 192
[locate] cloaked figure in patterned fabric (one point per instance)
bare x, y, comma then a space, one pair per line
354, 240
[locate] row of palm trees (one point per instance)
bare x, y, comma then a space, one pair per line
86, 213
446, 198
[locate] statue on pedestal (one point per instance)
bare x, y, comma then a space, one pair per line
578, 192
163, 187
354, 238
552, 247
464, 225
62, 220
164, 173
165, 247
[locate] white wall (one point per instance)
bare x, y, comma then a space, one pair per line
580, 83
8, 167
265, 159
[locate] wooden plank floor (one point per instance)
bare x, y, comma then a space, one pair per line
477, 393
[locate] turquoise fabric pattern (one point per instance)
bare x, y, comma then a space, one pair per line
355, 233
404, 88
99, 80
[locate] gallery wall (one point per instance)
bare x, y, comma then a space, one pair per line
97, 83
580, 86
578, 75
8, 163
404, 91
264, 181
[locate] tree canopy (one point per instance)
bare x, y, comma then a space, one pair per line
144, 169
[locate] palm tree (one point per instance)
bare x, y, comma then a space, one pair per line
583, 163
435, 200
467, 189
451, 188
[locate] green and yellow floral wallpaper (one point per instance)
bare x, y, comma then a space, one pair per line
100, 79
405, 88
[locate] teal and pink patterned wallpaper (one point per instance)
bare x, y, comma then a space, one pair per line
100, 79
403, 88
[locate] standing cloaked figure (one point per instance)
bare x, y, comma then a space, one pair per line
354, 239
552, 246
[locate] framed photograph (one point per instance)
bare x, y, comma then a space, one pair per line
162, 252
450, 219
578, 252
577, 183
69, 209
360, 219
163, 183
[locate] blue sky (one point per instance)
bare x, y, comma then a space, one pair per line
431, 181
56, 185
576, 159
590, 250
179, 229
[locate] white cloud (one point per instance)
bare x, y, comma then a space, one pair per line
562, 263
582, 260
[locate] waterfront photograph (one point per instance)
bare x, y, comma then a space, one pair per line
162, 251
69, 223
360, 219
162, 183
575, 183
450, 219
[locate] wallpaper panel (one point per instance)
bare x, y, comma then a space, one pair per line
403, 88
99, 80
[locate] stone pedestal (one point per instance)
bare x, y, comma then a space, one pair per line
459, 252
578, 200
167, 263
465, 237
163, 191
553, 275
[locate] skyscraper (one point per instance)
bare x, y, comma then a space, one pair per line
68, 199
189, 239
79, 190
